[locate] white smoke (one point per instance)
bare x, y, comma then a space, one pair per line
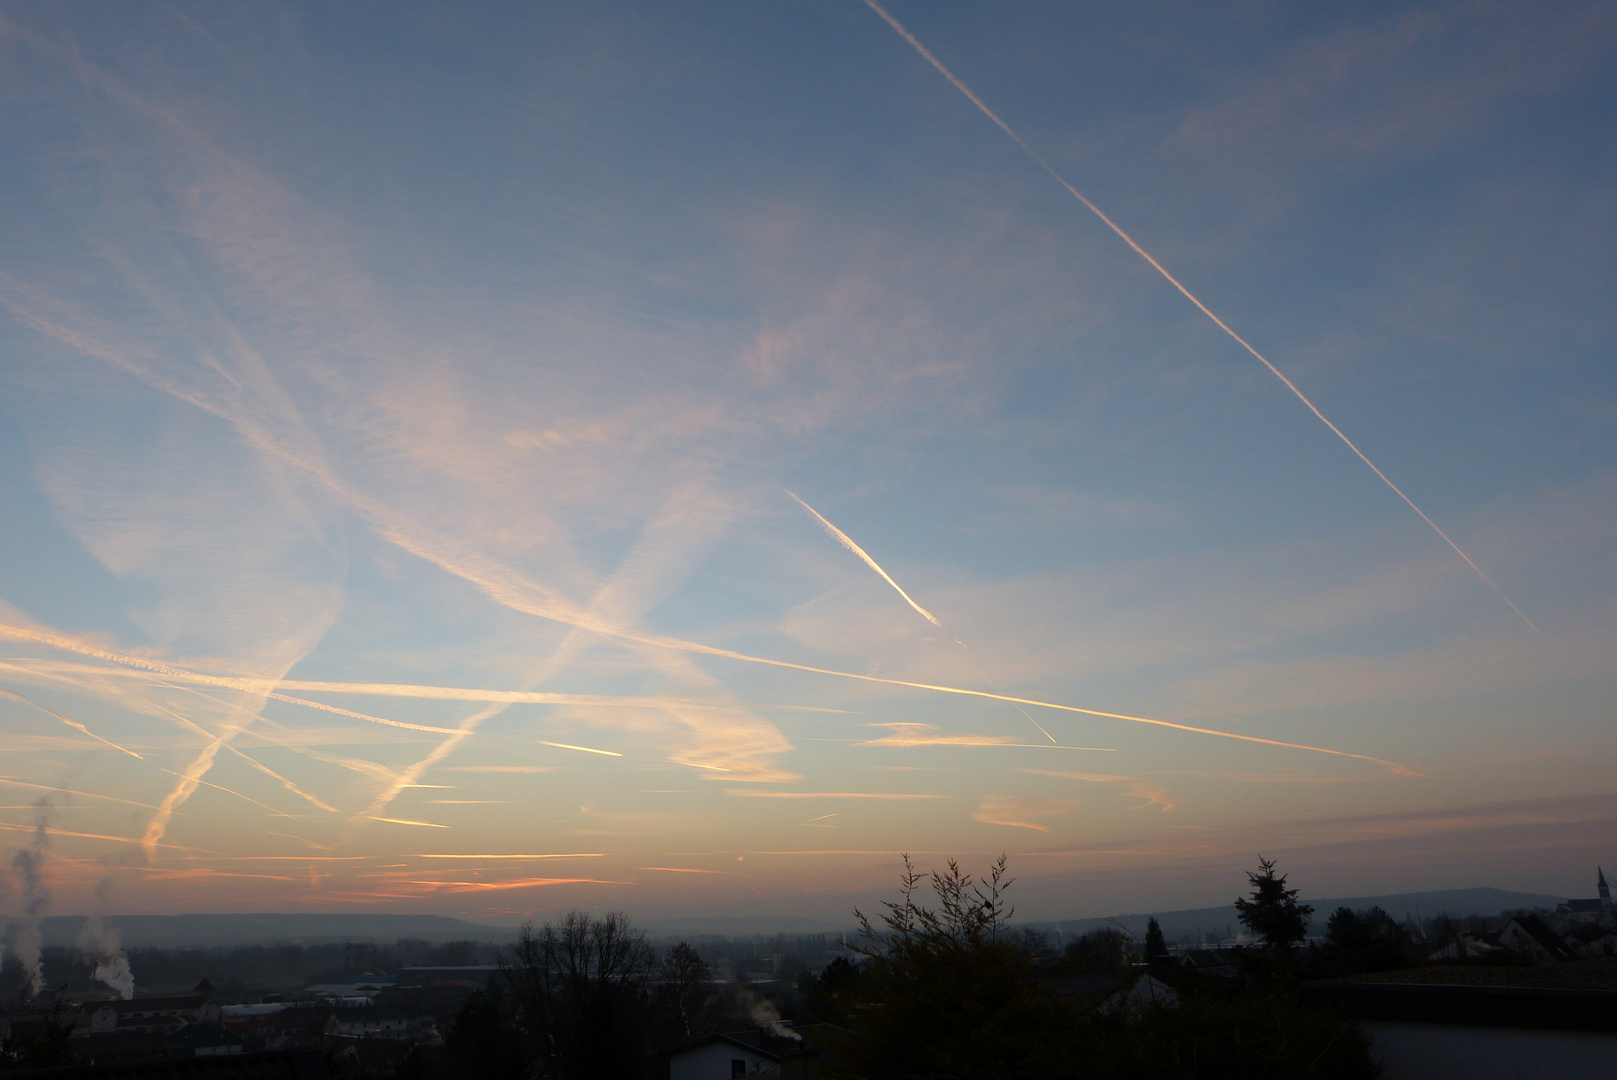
27, 863
99, 943
765, 1015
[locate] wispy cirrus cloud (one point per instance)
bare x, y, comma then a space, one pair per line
1022, 812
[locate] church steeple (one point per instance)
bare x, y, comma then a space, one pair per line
1605, 890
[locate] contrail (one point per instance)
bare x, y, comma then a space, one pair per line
1186, 293
550, 855
359, 715
6, 826
404, 821
679, 645
846, 541
220, 787
260, 766
74, 724
585, 749
71, 791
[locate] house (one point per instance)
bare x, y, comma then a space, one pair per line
365, 1026
722, 1057
1470, 947
148, 1015
1529, 936
205, 1040
1138, 996
1221, 963
1591, 942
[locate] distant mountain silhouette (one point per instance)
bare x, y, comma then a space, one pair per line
1221, 921
276, 928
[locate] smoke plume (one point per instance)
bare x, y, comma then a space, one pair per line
99, 943
765, 1015
27, 864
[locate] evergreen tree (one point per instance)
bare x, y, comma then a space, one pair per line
1155, 946
1273, 912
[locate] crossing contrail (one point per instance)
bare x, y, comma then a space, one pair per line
846, 541
74, 724
1186, 293
448, 693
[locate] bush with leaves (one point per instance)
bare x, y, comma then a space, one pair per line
946, 992
1362, 941
1104, 949
39, 1042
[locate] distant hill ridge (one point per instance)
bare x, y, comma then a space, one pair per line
287, 928
1221, 921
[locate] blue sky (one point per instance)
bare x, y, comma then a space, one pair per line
454, 368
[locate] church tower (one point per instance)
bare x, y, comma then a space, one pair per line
1605, 890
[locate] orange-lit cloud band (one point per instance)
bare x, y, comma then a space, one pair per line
444, 693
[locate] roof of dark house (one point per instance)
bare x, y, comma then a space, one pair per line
163, 1004
1547, 939
192, 1036
1578, 907
743, 1040
277, 1065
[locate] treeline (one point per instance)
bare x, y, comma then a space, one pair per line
941, 987
586, 997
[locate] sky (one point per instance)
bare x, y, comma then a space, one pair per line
493, 459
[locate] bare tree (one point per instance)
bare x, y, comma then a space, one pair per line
686, 990
581, 989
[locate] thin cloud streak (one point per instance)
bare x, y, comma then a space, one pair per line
1133, 786
748, 793
1188, 295
74, 724
909, 735
585, 749
465, 694
70, 791
846, 541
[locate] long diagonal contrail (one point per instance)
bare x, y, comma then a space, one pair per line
74, 724
1175, 282
846, 541
258, 685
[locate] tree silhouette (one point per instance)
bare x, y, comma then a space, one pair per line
581, 989
946, 992
1273, 912
686, 991
1155, 946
